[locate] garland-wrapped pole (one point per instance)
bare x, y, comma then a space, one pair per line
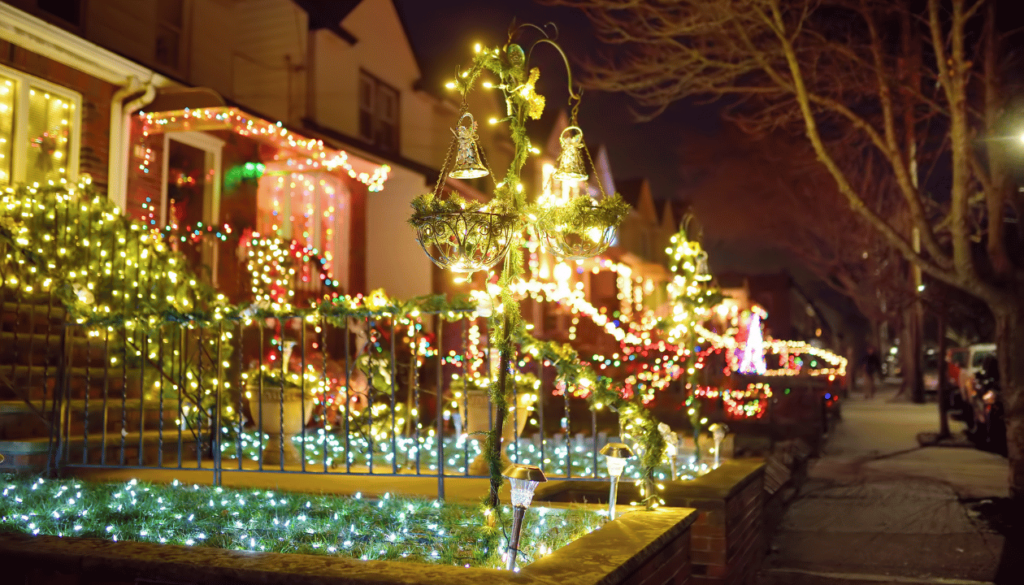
466, 236
493, 444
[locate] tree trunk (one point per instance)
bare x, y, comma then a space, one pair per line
917, 382
1010, 349
910, 347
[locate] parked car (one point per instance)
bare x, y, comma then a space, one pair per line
976, 355
987, 425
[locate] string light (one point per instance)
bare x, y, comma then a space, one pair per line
389, 527
308, 154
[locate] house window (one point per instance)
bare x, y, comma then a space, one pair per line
169, 26
39, 125
378, 113
310, 208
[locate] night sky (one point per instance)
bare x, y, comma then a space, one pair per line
443, 34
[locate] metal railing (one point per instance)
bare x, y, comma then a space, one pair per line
130, 380
296, 395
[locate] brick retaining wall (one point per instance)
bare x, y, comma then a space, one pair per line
639, 548
728, 539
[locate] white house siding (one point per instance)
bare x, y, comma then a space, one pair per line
335, 83
385, 53
394, 261
211, 44
124, 26
269, 58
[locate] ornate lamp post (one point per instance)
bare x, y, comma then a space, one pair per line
465, 236
523, 479
615, 456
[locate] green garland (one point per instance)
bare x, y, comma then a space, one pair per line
635, 419
581, 215
427, 205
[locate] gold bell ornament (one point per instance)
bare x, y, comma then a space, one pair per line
570, 161
467, 160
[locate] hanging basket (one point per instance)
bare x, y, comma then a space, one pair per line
465, 241
458, 234
577, 244
581, 227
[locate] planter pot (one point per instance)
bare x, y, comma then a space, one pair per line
282, 418
479, 420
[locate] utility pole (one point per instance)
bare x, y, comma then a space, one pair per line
943, 378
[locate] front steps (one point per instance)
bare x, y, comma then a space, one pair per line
107, 418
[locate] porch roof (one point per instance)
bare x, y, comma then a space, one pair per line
298, 152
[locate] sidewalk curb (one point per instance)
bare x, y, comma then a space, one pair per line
881, 578
955, 441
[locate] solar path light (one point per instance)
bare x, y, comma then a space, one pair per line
523, 480
615, 456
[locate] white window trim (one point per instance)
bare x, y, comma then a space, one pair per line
19, 141
213, 147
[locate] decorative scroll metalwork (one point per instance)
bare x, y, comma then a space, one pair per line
466, 241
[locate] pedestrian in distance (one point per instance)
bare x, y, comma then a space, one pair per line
872, 368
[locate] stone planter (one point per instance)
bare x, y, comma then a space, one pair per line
479, 421
639, 548
729, 537
282, 416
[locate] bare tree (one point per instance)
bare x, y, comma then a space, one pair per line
790, 203
909, 84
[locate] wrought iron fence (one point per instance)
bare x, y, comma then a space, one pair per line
376, 396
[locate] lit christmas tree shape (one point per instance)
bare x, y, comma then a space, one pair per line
752, 356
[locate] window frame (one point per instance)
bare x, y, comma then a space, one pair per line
23, 82
181, 30
376, 87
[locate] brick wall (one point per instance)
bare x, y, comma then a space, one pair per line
357, 239
728, 540
144, 175
96, 96
671, 565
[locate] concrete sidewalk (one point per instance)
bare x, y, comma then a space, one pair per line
878, 508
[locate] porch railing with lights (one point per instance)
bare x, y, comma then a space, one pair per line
359, 400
